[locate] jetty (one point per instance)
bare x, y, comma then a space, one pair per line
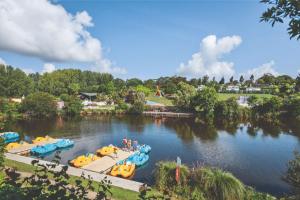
26, 148
167, 114
104, 164
78, 172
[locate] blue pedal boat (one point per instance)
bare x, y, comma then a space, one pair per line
43, 149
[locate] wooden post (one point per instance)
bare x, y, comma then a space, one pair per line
177, 175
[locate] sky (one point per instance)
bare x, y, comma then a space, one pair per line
145, 39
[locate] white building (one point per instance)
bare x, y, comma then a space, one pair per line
200, 87
253, 89
232, 88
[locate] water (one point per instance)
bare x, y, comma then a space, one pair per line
257, 154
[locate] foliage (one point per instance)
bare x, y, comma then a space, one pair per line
204, 102
269, 108
133, 82
201, 183
14, 82
143, 89
293, 173
217, 184
2, 149
228, 109
184, 94
165, 178
72, 105
281, 10
39, 104
138, 103
47, 183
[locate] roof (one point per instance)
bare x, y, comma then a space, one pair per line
88, 94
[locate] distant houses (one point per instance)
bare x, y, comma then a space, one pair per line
233, 88
240, 89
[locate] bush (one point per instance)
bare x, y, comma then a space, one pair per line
39, 104
228, 109
165, 178
217, 184
72, 106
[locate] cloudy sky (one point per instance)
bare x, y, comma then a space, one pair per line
145, 39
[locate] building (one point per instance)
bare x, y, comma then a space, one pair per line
88, 96
232, 88
200, 87
253, 89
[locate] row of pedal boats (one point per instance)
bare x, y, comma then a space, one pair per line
124, 168
40, 148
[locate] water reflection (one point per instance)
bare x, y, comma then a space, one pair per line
255, 152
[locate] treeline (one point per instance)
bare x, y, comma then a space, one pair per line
15, 83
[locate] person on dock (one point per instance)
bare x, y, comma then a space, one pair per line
125, 143
135, 145
115, 152
129, 145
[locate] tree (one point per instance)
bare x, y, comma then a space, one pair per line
72, 105
138, 103
143, 89
242, 79
297, 86
204, 102
283, 10
133, 82
205, 80
222, 81
228, 109
39, 104
252, 78
231, 79
184, 94
293, 172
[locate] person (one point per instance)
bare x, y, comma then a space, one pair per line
129, 144
125, 143
115, 152
135, 145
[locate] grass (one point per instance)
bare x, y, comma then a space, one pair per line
225, 96
162, 100
118, 193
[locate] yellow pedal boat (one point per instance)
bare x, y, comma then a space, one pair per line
125, 170
41, 139
104, 151
83, 160
15, 145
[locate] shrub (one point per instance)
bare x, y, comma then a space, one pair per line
217, 184
72, 106
39, 104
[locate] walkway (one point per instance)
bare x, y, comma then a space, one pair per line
105, 163
115, 181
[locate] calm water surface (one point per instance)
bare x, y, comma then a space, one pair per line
257, 154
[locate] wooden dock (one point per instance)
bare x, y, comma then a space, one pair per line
26, 148
167, 114
105, 163
98, 177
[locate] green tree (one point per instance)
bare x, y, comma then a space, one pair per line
72, 105
222, 81
184, 94
134, 82
242, 79
228, 109
204, 102
138, 103
252, 78
140, 88
231, 79
292, 175
39, 104
283, 10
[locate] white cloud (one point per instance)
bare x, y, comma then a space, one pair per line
105, 65
47, 31
207, 60
28, 71
266, 68
2, 61
48, 68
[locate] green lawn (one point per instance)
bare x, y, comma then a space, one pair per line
162, 100
118, 193
225, 96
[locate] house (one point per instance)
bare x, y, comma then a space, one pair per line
232, 88
200, 87
243, 101
88, 96
253, 89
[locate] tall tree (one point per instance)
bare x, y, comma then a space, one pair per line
252, 78
283, 10
231, 79
242, 79
222, 81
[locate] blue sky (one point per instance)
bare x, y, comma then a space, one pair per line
148, 39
